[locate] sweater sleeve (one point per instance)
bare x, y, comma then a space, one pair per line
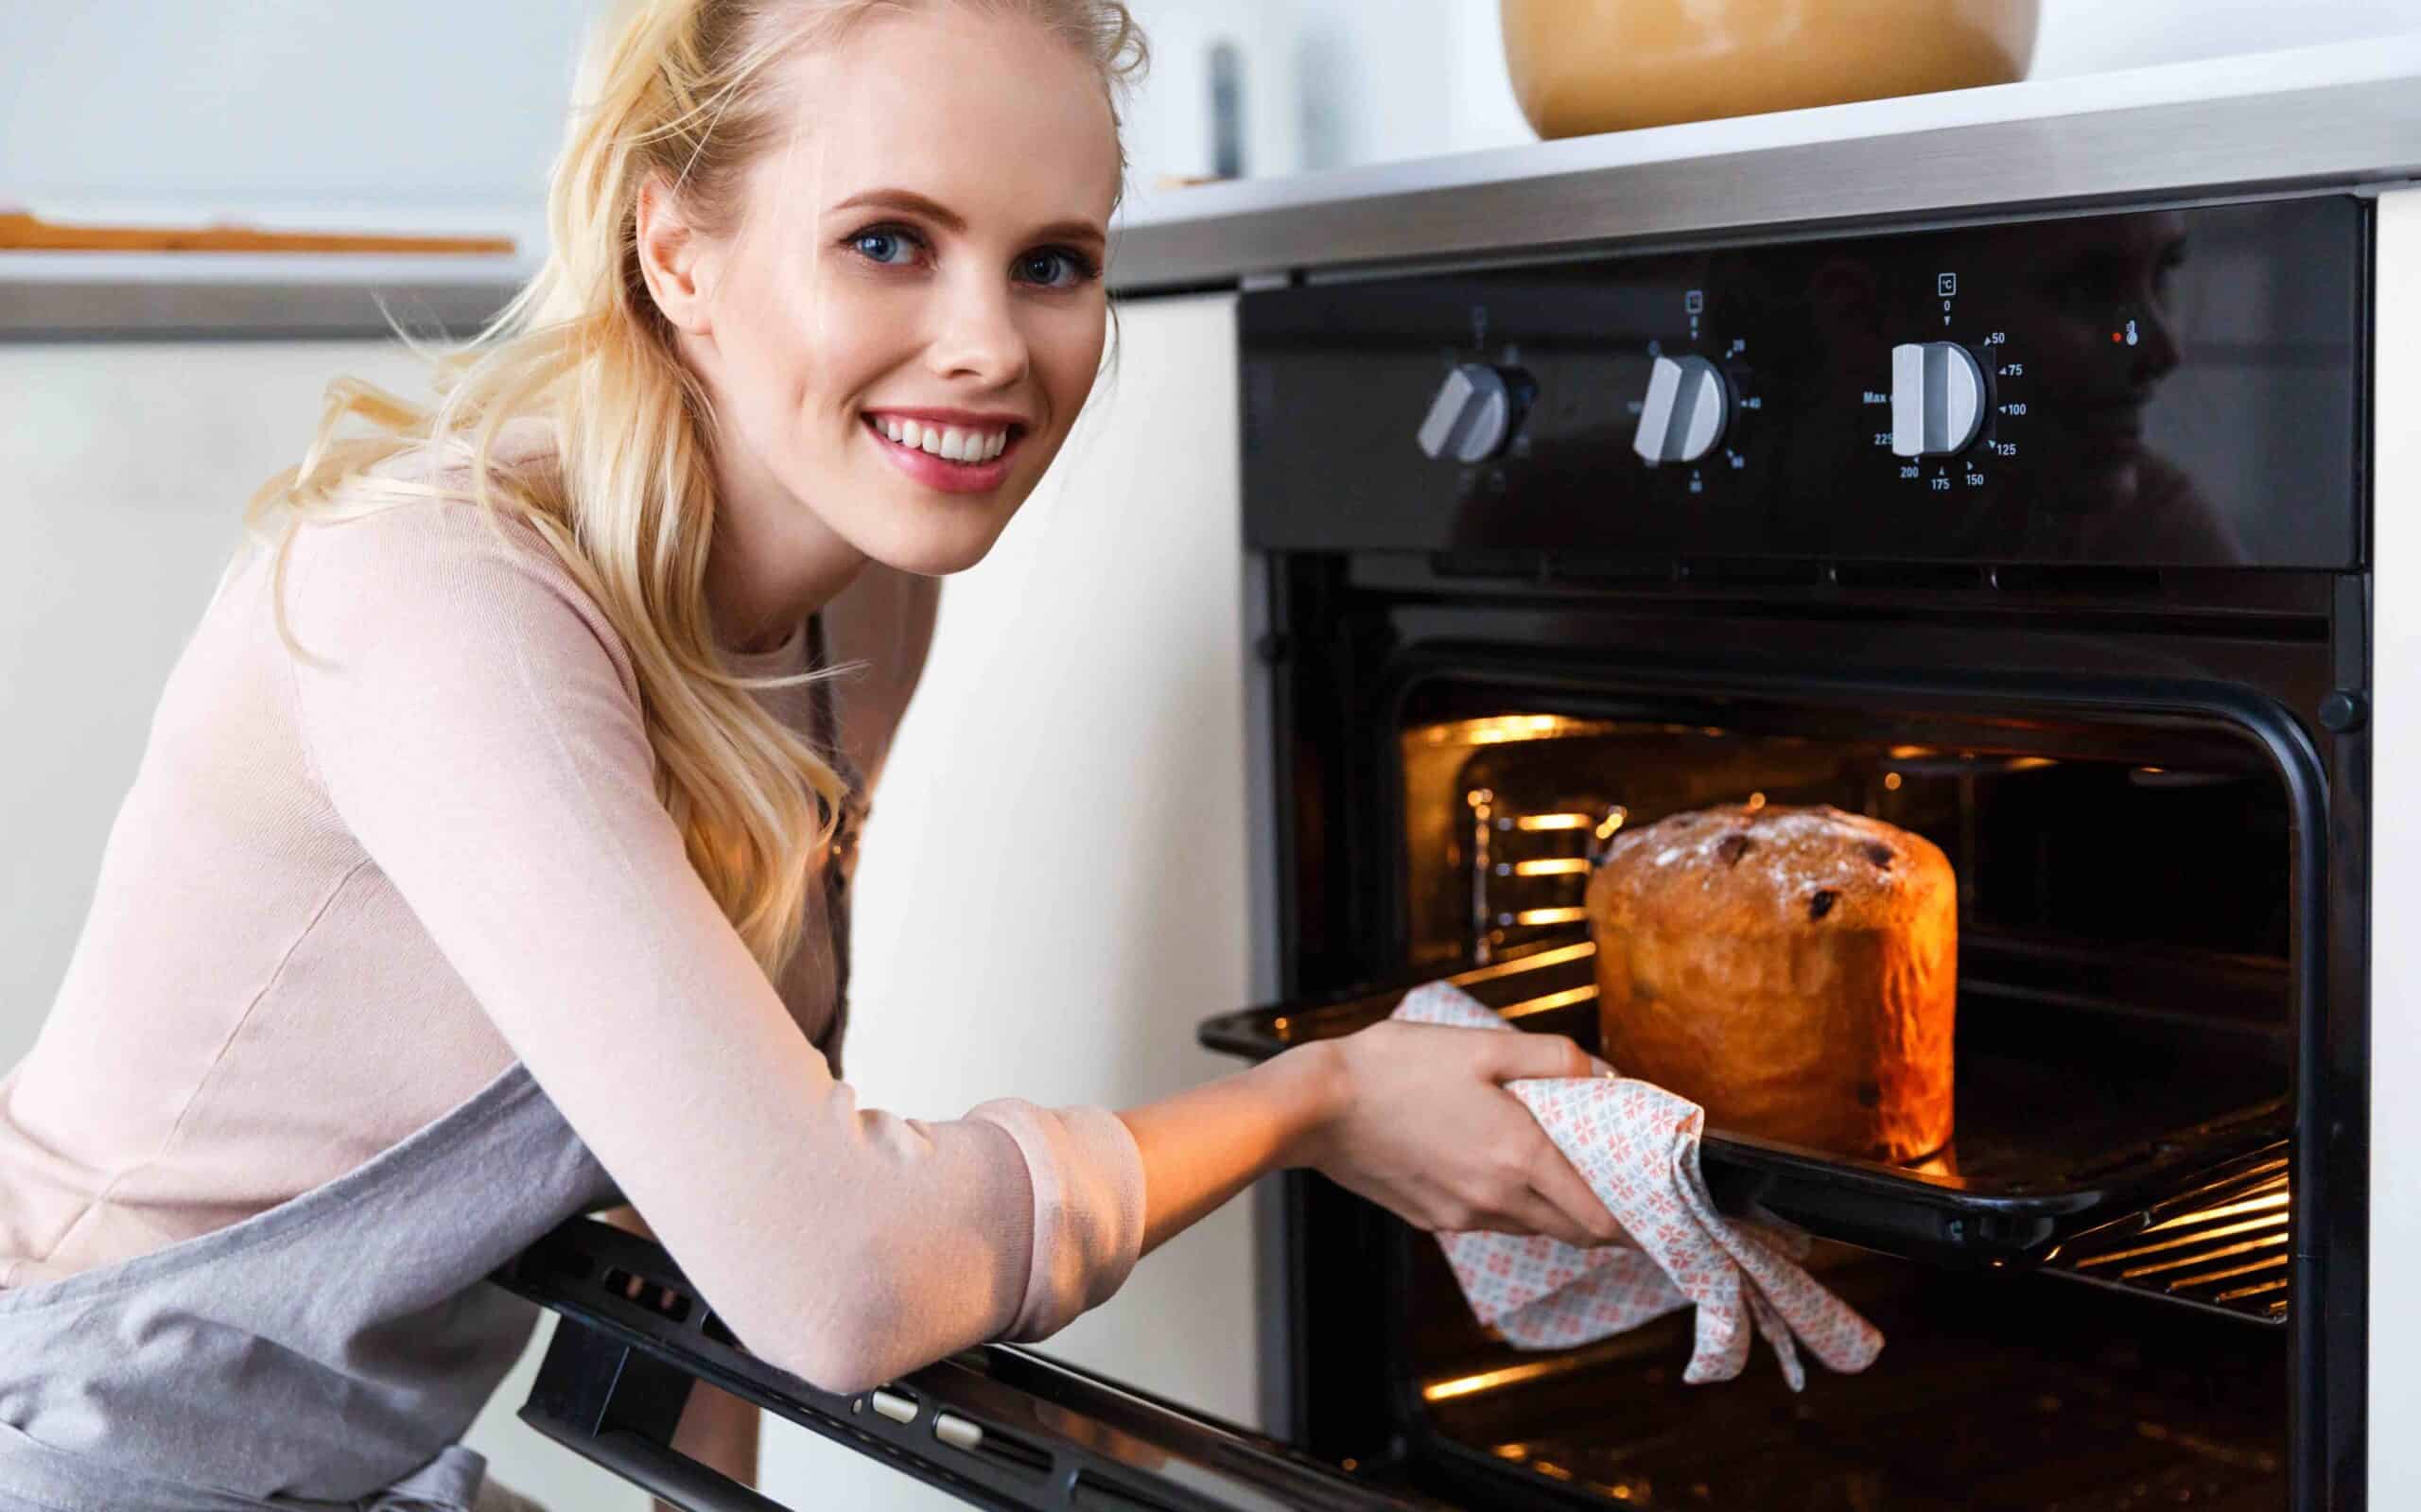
476, 726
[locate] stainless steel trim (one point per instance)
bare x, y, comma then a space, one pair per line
2346, 135
135, 308
2394, 1331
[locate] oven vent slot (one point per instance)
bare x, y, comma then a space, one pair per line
2100, 582
2223, 1245
1488, 562
1090, 1495
1751, 572
1932, 577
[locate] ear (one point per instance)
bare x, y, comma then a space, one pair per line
672, 259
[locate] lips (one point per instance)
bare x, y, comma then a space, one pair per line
982, 463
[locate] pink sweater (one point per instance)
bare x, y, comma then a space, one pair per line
336, 901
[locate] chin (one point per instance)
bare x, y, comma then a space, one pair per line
935, 553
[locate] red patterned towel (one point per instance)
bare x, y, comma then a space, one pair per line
1637, 1146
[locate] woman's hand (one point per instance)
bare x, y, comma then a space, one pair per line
1417, 1118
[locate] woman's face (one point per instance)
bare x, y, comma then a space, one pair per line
902, 329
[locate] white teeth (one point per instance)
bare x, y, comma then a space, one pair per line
948, 443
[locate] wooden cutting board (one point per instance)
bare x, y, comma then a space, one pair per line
20, 230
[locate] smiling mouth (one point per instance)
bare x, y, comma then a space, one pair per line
966, 446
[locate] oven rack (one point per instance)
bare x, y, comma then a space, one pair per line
2070, 1117
2224, 1243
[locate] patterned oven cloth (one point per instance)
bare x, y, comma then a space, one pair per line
1637, 1146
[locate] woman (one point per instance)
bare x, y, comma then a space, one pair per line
488, 861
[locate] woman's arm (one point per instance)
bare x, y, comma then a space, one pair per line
477, 731
1203, 1145
1414, 1116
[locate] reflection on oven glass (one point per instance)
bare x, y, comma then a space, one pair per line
2087, 306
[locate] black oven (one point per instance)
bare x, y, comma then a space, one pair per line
2046, 539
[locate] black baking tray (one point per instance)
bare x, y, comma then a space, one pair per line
2070, 1111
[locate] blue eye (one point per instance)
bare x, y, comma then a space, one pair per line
1054, 268
883, 245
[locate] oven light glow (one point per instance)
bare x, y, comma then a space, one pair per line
1553, 821
1506, 728
2031, 763
1528, 962
1550, 1002
1560, 866
1892, 782
1756, 801
1551, 916
1489, 1381
1614, 819
1910, 753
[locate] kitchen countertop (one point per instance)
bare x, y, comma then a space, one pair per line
2341, 117
2337, 116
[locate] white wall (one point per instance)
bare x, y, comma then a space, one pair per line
432, 113
441, 113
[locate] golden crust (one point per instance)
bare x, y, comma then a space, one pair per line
1793, 970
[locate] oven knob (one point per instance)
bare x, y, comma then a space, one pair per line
1937, 398
1683, 415
1473, 414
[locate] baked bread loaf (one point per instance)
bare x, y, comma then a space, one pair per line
1794, 972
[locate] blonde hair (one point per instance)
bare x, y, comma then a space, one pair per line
681, 91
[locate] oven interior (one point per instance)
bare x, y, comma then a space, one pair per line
2084, 1295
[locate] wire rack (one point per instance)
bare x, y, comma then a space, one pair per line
1529, 871
2221, 1245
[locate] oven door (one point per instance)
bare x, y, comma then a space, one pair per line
997, 1426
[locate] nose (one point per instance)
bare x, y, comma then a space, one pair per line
2156, 354
976, 338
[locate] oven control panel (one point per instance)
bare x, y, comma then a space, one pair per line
2159, 388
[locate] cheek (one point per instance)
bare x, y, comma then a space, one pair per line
1067, 354
813, 353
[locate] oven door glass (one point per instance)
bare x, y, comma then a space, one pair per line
995, 1426
2127, 899
2136, 906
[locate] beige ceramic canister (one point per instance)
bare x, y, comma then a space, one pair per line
1582, 66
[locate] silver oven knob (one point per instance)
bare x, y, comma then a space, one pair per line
1471, 417
1937, 398
1683, 416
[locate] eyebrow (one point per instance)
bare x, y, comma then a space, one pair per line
941, 215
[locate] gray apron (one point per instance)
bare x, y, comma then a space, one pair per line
330, 1351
